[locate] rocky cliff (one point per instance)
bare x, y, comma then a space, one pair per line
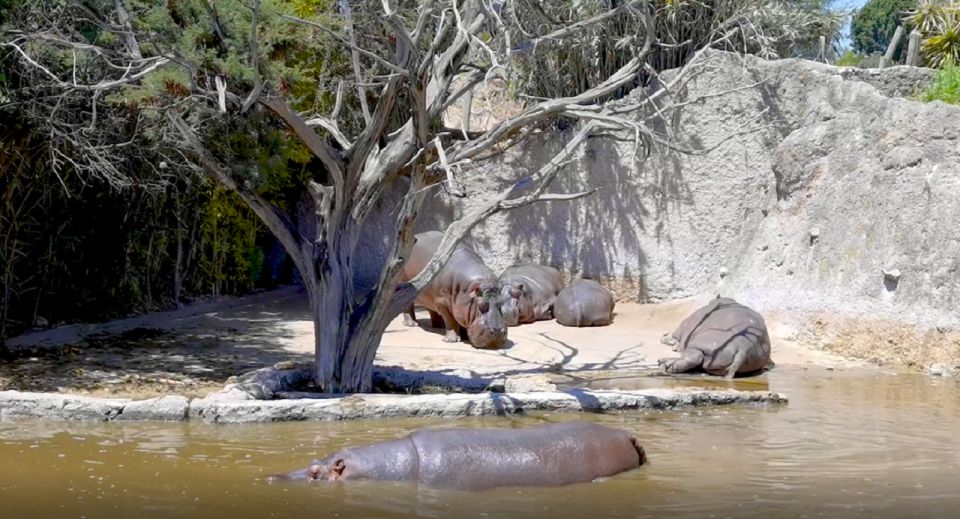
842, 210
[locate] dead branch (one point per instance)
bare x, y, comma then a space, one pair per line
503, 201
579, 26
128, 77
254, 61
355, 60
314, 142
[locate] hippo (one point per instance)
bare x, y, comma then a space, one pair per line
463, 297
584, 303
480, 459
723, 338
528, 292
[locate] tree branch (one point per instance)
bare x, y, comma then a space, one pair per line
561, 106
323, 151
503, 201
103, 85
355, 60
128, 36
578, 26
277, 222
254, 61
352, 47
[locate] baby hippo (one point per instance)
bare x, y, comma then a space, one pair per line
480, 459
528, 293
584, 303
723, 338
463, 297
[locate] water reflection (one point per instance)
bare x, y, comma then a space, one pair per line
849, 444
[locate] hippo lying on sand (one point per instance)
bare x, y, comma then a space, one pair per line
479, 459
529, 292
463, 296
584, 303
724, 338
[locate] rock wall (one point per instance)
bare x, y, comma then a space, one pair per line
848, 200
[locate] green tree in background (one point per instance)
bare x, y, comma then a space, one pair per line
873, 25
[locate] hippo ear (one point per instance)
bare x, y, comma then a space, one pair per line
336, 470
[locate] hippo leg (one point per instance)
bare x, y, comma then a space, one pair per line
691, 359
449, 324
671, 340
735, 364
436, 321
410, 317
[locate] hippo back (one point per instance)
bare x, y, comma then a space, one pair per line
722, 329
557, 454
465, 285
528, 292
584, 303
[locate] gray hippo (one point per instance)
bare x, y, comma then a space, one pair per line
724, 338
528, 292
584, 303
480, 459
462, 298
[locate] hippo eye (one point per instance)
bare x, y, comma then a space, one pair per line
515, 293
483, 306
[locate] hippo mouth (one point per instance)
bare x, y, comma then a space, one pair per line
311, 473
487, 340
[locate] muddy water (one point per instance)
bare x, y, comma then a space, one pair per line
849, 444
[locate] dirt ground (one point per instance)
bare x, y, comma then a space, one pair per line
193, 352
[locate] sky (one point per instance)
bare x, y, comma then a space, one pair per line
847, 5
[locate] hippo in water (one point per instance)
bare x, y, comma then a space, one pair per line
584, 303
528, 293
463, 297
480, 459
724, 338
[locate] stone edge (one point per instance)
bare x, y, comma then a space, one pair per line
16, 404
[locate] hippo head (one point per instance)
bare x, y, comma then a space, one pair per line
512, 296
486, 328
329, 469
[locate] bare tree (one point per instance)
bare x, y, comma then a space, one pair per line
438, 52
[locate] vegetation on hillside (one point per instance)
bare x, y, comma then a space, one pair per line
945, 86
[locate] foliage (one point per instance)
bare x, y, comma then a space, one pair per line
873, 25
768, 28
228, 231
851, 58
945, 85
74, 249
939, 24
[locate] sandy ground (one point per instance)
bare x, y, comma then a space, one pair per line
192, 352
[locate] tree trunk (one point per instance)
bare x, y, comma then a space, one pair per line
345, 342
913, 49
887, 58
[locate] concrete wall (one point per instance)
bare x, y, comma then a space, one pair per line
875, 178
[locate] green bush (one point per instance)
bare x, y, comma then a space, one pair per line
945, 86
852, 58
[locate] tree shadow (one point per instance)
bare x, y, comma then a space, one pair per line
158, 361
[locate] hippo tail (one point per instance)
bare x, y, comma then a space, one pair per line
640, 452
